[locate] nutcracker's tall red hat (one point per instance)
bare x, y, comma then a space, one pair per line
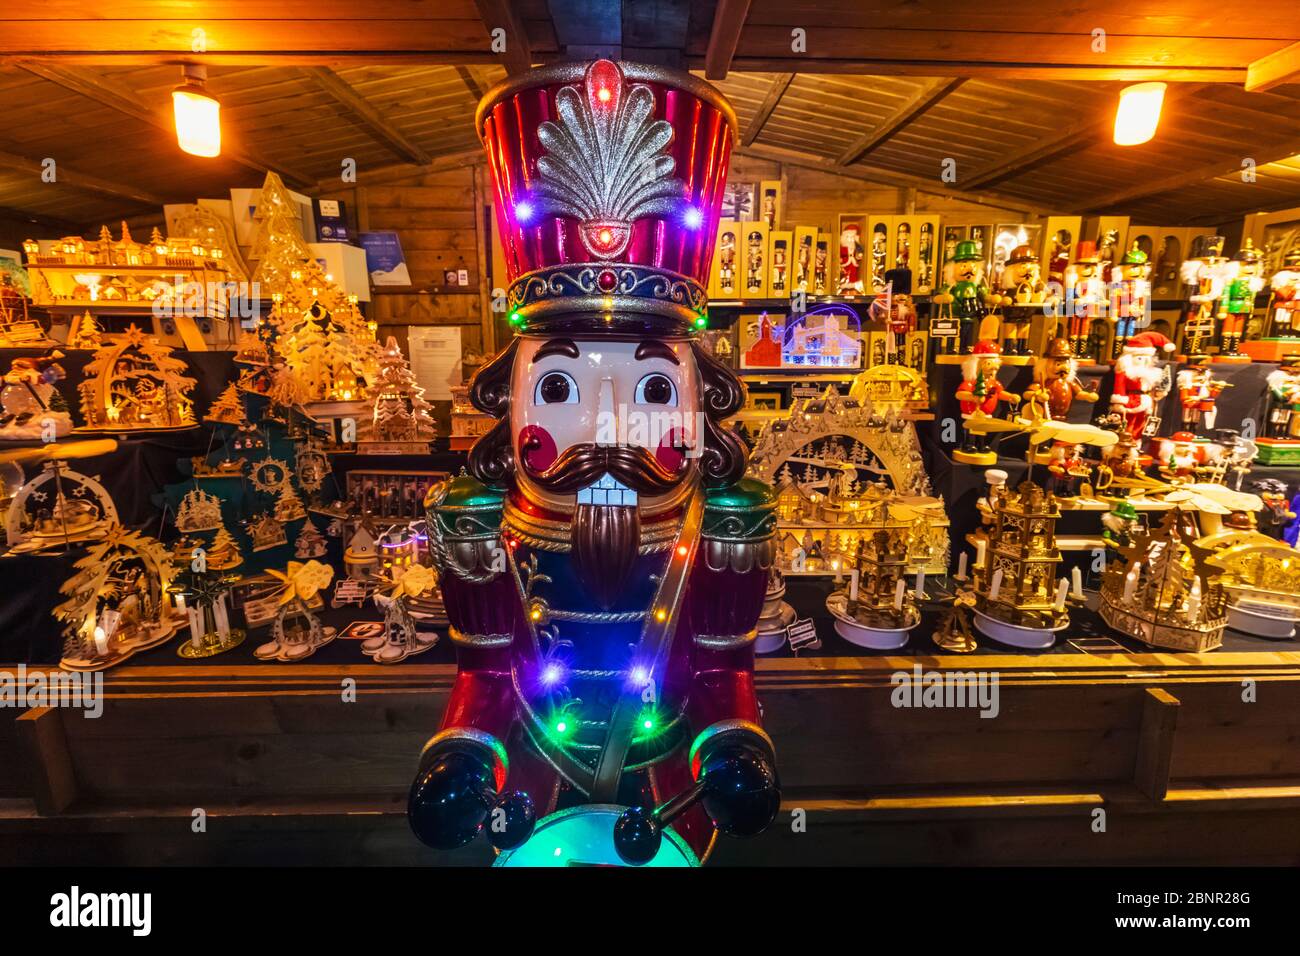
609, 181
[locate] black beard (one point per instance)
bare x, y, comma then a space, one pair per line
580, 465
605, 540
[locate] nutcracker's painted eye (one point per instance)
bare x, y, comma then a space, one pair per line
656, 389
556, 388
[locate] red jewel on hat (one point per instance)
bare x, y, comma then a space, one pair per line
607, 280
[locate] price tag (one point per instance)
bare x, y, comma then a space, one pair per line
945, 328
803, 633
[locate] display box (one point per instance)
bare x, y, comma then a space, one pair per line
853, 252
771, 208
753, 259
725, 281
780, 258
347, 264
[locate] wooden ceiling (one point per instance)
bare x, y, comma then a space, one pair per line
1022, 101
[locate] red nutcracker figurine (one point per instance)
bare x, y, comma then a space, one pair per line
1139, 381
1087, 294
980, 395
604, 563
1198, 392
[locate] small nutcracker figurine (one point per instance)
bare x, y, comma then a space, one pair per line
1239, 302
1119, 464
1284, 307
980, 394
968, 296
1209, 273
1056, 383
1086, 293
1023, 292
1130, 296
1198, 391
1284, 403
754, 263
850, 281
727, 261
1068, 468
1139, 381
894, 309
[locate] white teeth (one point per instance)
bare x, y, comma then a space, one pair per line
607, 490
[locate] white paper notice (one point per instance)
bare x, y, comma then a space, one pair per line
435, 359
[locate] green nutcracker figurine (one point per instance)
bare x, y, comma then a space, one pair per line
1130, 291
1239, 302
968, 295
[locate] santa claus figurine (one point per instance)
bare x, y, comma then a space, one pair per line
604, 561
980, 394
1180, 458
1139, 380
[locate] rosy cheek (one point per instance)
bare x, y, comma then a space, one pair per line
669, 454
537, 448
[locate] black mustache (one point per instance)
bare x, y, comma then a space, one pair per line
580, 465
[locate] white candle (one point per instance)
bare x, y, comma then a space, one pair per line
996, 586
101, 641
898, 594
1076, 581
222, 618
920, 584
1194, 601
1130, 583
180, 602
853, 585
980, 547
835, 566
961, 566
196, 627
1061, 590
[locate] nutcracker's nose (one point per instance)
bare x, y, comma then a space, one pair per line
606, 416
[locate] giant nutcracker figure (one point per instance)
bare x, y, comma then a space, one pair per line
604, 563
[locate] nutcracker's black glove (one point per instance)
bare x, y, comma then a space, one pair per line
454, 796
742, 791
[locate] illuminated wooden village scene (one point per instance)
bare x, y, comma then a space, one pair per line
134, 383
878, 608
1261, 577
117, 604
839, 464
181, 275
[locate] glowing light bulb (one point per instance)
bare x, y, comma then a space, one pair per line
661, 615
552, 673
1138, 114
523, 211
603, 94
198, 116
693, 218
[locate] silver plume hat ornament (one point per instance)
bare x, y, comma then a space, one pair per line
606, 163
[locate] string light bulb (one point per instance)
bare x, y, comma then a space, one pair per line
198, 114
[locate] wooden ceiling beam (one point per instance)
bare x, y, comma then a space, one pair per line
66, 176
114, 95
780, 83
436, 164
913, 107
1279, 67
472, 83
728, 20
1075, 137
1201, 174
889, 177
364, 114
501, 15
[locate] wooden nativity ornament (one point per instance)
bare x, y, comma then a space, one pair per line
134, 384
